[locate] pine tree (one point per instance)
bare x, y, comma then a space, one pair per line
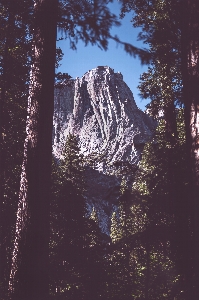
29, 271
68, 226
115, 228
77, 245
163, 194
171, 31
72, 163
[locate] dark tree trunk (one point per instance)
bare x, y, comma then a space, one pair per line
29, 272
190, 72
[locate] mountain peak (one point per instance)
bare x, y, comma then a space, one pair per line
99, 108
102, 71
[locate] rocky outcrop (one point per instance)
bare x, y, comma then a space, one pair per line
100, 109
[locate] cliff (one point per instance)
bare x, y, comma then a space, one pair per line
100, 109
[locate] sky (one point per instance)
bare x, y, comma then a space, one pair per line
77, 62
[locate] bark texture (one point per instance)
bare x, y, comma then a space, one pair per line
29, 272
190, 73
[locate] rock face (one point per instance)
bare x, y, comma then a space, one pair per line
100, 109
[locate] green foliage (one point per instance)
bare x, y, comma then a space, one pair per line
146, 239
115, 233
162, 184
67, 220
72, 163
76, 247
162, 83
91, 22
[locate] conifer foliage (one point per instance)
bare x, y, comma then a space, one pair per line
72, 163
67, 220
76, 250
171, 31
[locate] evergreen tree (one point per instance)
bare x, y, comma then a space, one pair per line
72, 163
115, 228
164, 195
171, 31
67, 221
76, 247
119, 274
29, 271
162, 83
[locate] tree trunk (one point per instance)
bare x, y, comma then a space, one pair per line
29, 271
190, 72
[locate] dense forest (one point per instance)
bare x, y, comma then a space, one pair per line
50, 247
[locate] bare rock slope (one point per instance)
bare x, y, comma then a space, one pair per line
100, 109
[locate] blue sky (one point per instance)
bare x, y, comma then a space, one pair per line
77, 62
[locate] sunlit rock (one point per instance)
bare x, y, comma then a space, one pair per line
100, 109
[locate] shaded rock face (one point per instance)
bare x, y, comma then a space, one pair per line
100, 109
